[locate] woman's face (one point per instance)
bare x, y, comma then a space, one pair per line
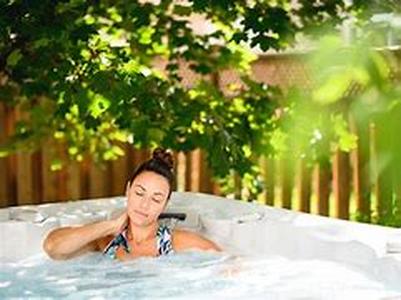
147, 198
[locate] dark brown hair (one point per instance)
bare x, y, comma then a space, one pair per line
161, 163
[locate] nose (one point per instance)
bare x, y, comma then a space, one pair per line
145, 203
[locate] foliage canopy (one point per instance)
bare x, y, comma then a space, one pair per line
83, 73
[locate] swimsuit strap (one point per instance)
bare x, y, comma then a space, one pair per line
118, 241
163, 238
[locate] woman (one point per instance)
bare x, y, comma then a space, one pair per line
137, 231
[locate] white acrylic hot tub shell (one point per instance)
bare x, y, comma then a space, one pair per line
240, 228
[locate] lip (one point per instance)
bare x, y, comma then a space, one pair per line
141, 213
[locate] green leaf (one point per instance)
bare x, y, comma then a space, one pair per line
14, 57
56, 165
346, 140
182, 10
145, 35
333, 89
99, 105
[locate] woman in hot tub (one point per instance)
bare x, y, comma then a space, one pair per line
136, 232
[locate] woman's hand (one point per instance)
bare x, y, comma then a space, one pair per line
118, 224
66, 242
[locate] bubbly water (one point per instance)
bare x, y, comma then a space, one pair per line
188, 275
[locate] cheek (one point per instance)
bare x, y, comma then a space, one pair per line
156, 210
133, 202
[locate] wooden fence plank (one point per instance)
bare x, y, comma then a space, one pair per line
130, 162
74, 180
341, 183
287, 174
181, 171
193, 175
381, 156
361, 169
268, 171
49, 177
62, 174
99, 180
120, 170
146, 154
304, 186
396, 150
323, 184
175, 168
3, 161
140, 156
24, 179
84, 174
237, 185
37, 177
206, 180
11, 160
23, 171
216, 190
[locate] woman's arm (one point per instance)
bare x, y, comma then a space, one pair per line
183, 240
66, 242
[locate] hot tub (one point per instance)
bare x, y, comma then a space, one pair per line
269, 253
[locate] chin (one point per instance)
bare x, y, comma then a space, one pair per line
139, 222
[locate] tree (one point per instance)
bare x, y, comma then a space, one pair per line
82, 72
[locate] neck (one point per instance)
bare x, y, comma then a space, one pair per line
139, 234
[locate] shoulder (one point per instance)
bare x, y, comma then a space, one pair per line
183, 239
102, 243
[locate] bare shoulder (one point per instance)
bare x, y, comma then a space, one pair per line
102, 243
184, 239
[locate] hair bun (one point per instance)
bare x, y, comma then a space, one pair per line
164, 156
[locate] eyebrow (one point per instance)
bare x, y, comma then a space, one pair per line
138, 185
155, 194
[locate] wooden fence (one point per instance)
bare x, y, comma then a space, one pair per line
340, 187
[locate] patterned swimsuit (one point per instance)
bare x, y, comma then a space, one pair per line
163, 238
